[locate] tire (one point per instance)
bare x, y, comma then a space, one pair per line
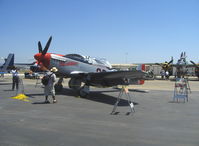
58, 88
84, 91
75, 84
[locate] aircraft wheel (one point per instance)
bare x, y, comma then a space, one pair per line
83, 94
58, 87
74, 83
84, 91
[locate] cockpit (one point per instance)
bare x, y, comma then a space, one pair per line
89, 60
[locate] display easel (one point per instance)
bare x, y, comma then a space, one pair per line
123, 90
181, 89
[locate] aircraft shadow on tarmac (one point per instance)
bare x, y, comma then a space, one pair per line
98, 96
33, 95
5, 83
8, 90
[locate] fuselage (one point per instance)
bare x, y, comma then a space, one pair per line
72, 63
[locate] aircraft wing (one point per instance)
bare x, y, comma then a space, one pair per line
113, 78
118, 74
187, 65
28, 64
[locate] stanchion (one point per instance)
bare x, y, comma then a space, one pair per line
38, 82
20, 95
123, 90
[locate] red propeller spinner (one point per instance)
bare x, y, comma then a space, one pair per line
43, 58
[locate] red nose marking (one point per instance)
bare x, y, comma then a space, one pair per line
43, 60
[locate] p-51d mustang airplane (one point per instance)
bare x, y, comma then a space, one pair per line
83, 69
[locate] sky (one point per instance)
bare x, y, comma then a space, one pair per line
122, 31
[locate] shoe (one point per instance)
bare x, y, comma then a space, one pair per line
54, 101
46, 101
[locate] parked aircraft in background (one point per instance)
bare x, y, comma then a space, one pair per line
181, 66
85, 69
167, 66
196, 68
8, 64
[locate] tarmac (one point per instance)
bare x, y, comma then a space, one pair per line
76, 121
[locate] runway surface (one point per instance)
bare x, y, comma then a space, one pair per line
87, 121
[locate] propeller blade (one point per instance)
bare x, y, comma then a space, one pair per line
171, 61
194, 64
47, 46
39, 47
181, 55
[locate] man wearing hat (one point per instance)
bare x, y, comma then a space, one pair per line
49, 88
15, 78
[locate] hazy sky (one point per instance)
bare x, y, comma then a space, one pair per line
122, 31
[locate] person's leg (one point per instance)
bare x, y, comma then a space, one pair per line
17, 83
13, 83
46, 92
53, 95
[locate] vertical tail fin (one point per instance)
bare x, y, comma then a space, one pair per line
9, 62
141, 67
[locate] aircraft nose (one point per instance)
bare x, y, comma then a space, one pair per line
37, 56
43, 60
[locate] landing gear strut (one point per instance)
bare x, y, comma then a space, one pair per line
58, 86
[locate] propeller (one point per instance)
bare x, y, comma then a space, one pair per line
42, 57
39, 47
171, 60
44, 51
194, 64
181, 55
47, 46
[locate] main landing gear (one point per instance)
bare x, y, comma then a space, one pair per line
75, 84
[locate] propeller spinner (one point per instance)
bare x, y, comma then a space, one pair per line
43, 58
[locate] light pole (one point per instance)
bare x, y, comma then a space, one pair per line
126, 57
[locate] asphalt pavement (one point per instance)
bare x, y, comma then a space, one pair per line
76, 121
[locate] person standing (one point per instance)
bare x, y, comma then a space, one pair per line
15, 78
162, 73
167, 75
49, 87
